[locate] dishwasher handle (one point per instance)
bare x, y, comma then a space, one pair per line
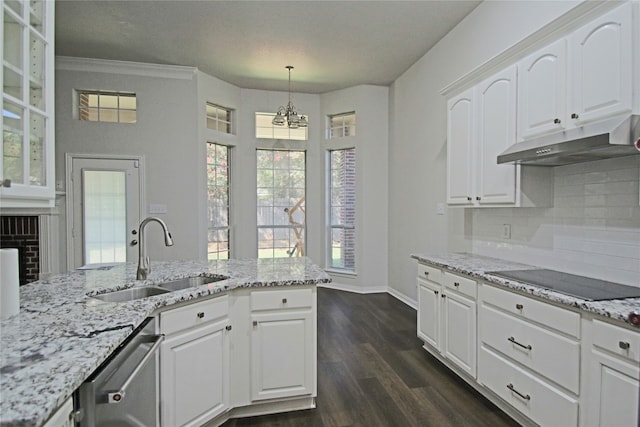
118, 395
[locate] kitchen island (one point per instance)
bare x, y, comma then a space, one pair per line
62, 334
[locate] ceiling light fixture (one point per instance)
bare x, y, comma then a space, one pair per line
288, 115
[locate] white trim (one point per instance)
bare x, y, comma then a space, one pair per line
378, 290
68, 63
69, 157
579, 15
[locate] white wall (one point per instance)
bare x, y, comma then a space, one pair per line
371, 143
417, 142
166, 134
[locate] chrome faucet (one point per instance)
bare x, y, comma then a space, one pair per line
143, 260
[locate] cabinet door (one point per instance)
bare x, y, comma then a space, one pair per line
542, 91
602, 67
282, 355
429, 313
194, 367
460, 142
459, 330
496, 132
63, 417
614, 388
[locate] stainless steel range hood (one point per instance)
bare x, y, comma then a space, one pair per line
603, 140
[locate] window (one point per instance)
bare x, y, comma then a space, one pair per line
101, 106
266, 129
281, 203
218, 118
342, 209
218, 201
341, 125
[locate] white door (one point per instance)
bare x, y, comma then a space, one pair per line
459, 331
104, 208
429, 313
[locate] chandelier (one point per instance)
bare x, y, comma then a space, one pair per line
288, 115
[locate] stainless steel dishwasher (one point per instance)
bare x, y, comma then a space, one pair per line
123, 391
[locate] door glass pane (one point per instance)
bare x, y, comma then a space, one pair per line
12, 152
105, 216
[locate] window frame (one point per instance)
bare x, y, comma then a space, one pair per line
330, 225
347, 129
228, 228
84, 109
228, 124
273, 226
278, 132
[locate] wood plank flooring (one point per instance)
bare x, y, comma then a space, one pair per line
372, 371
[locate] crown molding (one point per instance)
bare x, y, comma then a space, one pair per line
69, 63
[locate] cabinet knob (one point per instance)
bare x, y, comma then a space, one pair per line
519, 306
469, 198
557, 121
255, 323
478, 198
133, 242
443, 295
624, 345
436, 292
284, 300
228, 327
456, 284
200, 315
574, 115
426, 273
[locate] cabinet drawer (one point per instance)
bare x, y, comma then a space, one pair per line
617, 340
461, 284
194, 314
430, 273
534, 397
546, 314
279, 299
532, 346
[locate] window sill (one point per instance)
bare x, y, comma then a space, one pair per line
344, 273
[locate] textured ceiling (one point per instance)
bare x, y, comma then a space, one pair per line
331, 44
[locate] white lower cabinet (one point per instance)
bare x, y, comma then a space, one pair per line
194, 363
614, 377
447, 316
63, 417
283, 344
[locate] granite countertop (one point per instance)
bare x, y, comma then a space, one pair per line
61, 335
478, 266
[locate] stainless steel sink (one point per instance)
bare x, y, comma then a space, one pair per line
130, 294
188, 282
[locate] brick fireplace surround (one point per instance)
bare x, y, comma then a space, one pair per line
23, 233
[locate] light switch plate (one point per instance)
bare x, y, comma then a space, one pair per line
157, 208
440, 208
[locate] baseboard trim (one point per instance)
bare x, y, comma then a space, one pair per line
379, 290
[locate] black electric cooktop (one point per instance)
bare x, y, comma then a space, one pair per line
570, 284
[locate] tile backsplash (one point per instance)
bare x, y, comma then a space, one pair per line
593, 228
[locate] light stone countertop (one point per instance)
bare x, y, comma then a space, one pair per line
477, 266
61, 335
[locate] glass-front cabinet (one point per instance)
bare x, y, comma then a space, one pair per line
27, 167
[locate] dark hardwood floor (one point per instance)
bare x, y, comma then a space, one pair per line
372, 371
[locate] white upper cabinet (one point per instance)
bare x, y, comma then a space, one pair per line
601, 67
542, 91
579, 79
27, 104
496, 132
460, 143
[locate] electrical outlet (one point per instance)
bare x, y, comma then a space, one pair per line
506, 231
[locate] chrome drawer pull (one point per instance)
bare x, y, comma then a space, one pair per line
624, 345
513, 389
513, 340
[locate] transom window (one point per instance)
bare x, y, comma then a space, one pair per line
218, 206
341, 125
218, 118
281, 177
267, 130
341, 230
106, 106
